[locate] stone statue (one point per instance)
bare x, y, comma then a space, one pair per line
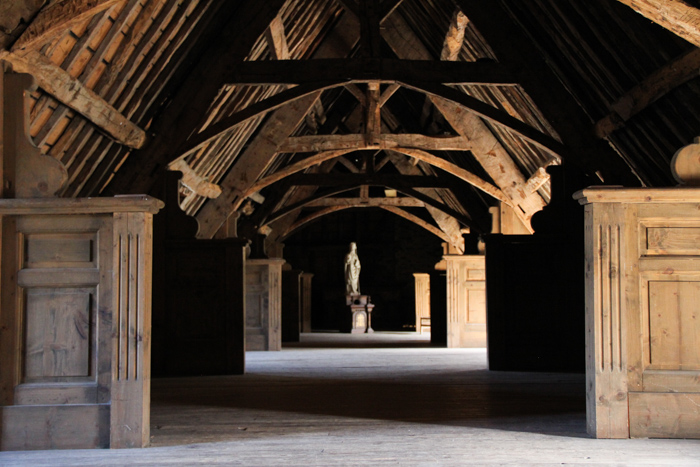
352, 271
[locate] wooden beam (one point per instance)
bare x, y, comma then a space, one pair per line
516, 51
427, 200
57, 18
252, 163
393, 180
447, 224
493, 157
310, 218
454, 37
654, 87
277, 39
387, 7
677, 16
535, 182
294, 168
457, 172
388, 92
370, 202
418, 221
268, 72
71, 92
193, 181
373, 119
493, 115
318, 143
216, 130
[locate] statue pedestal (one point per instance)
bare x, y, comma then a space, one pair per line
361, 309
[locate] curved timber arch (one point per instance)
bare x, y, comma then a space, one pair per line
427, 200
392, 209
471, 104
415, 153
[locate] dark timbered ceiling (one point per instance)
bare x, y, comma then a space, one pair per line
286, 111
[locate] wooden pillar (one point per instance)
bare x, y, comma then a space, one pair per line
291, 305
75, 327
642, 295
466, 301
306, 281
264, 304
422, 282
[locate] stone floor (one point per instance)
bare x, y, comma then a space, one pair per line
382, 399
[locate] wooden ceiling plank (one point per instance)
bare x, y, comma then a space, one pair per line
56, 19
653, 88
677, 16
71, 92
252, 163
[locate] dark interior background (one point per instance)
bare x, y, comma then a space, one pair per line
390, 248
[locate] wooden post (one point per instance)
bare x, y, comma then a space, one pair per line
422, 301
77, 275
642, 292
264, 304
306, 295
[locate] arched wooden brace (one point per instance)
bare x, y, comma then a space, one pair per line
409, 192
482, 109
397, 211
419, 154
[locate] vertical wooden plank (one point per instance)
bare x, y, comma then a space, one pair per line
422, 290
130, 410
609, 276
10, 322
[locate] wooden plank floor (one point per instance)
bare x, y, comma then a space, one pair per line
384, 399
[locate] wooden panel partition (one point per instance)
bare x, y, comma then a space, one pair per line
642, 302
466, 301
263, 301
75, 322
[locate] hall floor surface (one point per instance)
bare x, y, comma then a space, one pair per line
380, 399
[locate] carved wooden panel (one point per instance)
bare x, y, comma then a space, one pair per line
643, 319
263, 304
466, 301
